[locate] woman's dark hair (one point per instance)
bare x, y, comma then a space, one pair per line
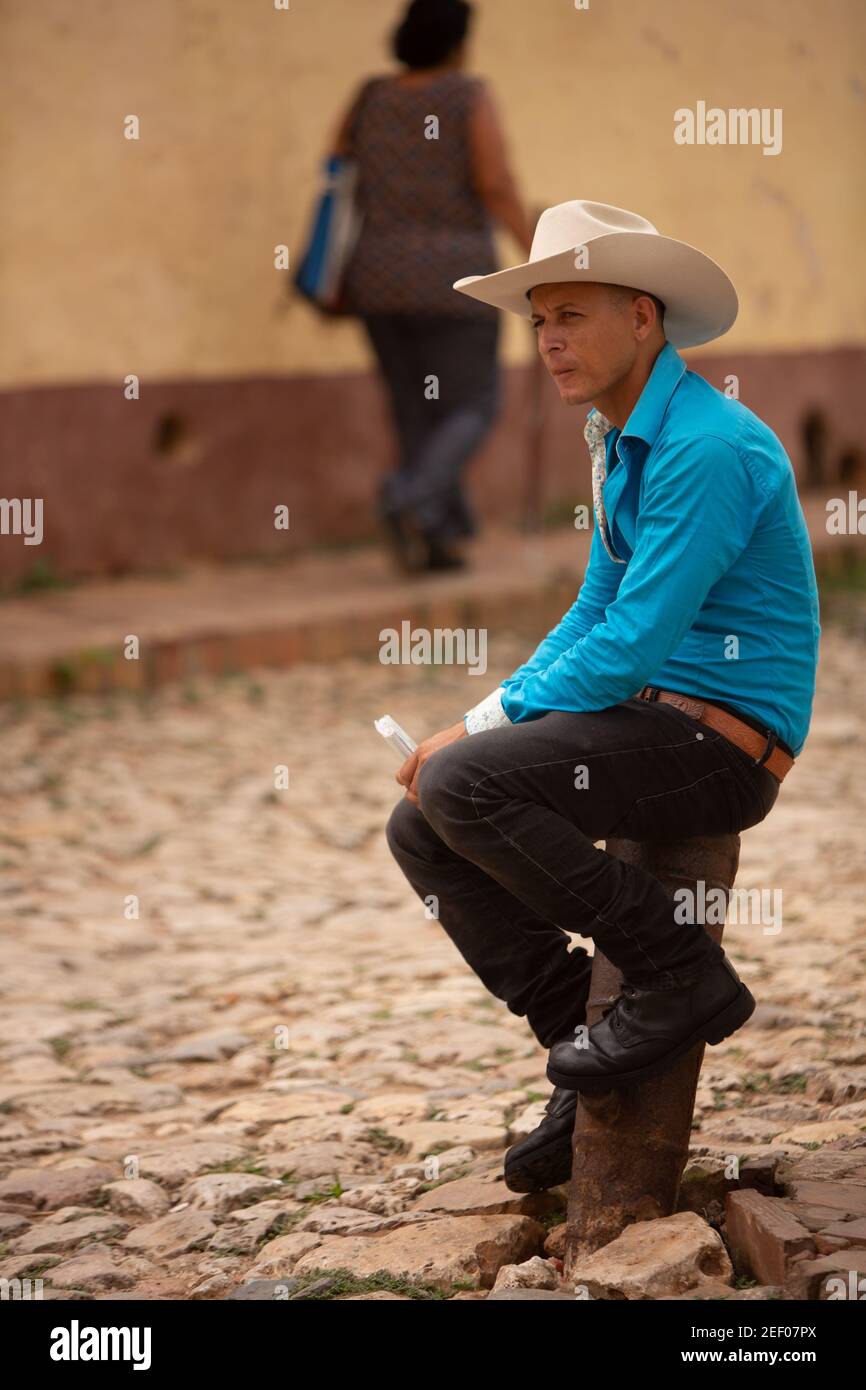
429, 30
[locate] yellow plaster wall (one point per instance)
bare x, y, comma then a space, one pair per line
156, 256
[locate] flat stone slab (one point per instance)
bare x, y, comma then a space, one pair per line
530, 1296
473, 1196
764, 1233
444, 1251
46, 1189
262, 1290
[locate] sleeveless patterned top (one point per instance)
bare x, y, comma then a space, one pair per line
423, 224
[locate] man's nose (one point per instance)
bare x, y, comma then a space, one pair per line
550, 340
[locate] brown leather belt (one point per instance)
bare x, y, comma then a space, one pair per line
763, 750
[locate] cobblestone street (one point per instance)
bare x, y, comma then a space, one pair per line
231, 1038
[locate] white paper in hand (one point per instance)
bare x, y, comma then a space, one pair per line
393, 734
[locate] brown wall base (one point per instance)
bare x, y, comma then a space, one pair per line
195, 469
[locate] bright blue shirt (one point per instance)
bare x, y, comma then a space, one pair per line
702, 503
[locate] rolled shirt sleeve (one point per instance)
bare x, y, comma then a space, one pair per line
700, 506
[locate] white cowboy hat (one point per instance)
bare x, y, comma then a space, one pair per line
594, 241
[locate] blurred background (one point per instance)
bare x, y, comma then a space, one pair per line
155, 256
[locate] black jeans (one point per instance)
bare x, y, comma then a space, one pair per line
437, 434
504, 839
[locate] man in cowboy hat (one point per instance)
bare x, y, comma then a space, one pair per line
670, 700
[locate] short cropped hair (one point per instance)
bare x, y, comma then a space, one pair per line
619, 293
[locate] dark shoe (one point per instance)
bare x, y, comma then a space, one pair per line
647, 1029
442, 557
543, 1158
407, 543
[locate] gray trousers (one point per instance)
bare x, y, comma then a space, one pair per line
437, 433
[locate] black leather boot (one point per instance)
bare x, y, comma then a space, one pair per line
543, 1158
647, 1029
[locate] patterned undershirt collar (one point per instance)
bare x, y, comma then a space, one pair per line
595, 429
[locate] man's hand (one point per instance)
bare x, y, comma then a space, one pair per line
407, 775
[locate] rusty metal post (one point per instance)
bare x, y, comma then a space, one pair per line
631, 1145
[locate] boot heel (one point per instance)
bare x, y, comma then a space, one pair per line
731, 1018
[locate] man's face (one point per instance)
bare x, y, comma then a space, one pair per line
585, 337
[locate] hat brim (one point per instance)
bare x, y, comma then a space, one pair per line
700, 300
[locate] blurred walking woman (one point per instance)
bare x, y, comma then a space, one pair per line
433, 173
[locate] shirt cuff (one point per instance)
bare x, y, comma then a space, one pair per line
489, 714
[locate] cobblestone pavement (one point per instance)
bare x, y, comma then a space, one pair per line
221, 999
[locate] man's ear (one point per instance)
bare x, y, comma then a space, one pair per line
644, 316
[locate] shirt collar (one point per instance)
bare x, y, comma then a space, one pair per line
645, 420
